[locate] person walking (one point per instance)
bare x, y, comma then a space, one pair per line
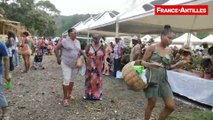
70, 51
117, 54
94, 60
9, 44
107, 60
157, 59
5, 58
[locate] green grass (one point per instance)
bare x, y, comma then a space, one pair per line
192, 115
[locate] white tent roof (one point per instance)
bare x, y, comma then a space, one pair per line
138, 20
183, 39
86, 24
82, 25
208, 39
189, 23
146, 6
146, 38
79, 26
104, 19
158, 39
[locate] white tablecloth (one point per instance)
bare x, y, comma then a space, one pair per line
192, 87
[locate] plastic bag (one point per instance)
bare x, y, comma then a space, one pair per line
8, 85
143, 76
82, 70
118, 74
141, 72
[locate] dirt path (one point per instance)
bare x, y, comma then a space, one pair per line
37, 95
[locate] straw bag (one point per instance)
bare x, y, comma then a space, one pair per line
131, 78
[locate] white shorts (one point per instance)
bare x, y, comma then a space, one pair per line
68, 73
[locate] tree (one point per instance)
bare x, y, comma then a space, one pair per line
48, 7
202, 35
38, 18
4, 1
2, 11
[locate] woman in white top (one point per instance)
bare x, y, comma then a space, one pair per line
70, 51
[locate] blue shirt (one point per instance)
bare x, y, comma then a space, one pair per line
3, 52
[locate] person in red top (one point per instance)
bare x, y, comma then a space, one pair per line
50, 47
42, 45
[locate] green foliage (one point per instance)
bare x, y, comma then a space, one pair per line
83, 43
66, 22
127, 50
202, 35
192, 115
2, 11
47, 6
36, 17
196, 62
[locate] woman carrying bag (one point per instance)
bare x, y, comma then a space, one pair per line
70, 52
157, 59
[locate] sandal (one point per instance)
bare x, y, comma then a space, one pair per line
65, 102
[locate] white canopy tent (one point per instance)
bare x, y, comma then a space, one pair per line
208, 39
103, 19
93, 22
190, 22
183, 39
82, 27
146, 38
83, 24
157, 39
128, 24
138, 20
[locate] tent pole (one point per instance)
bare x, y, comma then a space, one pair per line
188, 39
117, 29
88, 39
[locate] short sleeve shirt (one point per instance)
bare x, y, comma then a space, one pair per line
3, 52
70, 51
117, 50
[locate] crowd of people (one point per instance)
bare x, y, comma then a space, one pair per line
104, 59
12, 51
98, 58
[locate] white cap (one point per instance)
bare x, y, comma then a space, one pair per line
135, 38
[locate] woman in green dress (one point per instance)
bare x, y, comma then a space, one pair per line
157, 59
